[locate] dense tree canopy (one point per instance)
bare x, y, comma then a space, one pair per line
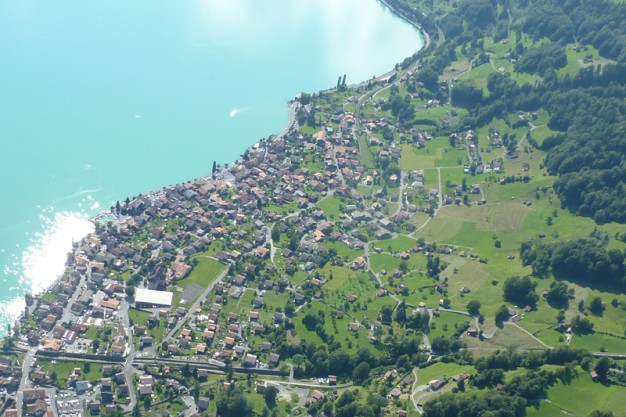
492, 403
520, 291
576, 260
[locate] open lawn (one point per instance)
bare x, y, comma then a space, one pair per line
454, 69
469, 275
506, 337
500, 216
204, 273
447, 324
331, 207
397, 245
442, 370
411, 158
479, 74
437, 152
63, 369
273, 300
583, 396
343, 251
438, 230
140, 317
384, 261
597, 342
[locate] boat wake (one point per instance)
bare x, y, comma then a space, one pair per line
235, 111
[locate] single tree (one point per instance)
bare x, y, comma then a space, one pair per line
473, 307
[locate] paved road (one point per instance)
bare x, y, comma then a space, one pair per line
24, 382
191, 405
195, 305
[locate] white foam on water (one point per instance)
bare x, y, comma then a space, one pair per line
10, 311
43, 261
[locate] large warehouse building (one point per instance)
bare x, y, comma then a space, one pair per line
152, 298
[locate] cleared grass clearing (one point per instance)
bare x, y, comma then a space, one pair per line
542, 132
331, 207
545, 409
440, 229
595, 342
356, 283
479, 74
273, 300
204, 273
501, 216
375, 306
419, 218
470, 275
343, 250
508, 337
340, 276
412, 159
442, 370
454, 175
140, 317
384, 261
64, 369
446, 324
399, 244
583, 396
453, 70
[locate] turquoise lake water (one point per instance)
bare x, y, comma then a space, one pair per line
100, 100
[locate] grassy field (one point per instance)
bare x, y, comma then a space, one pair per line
331, 207
446, 324
583, 396
343, 251
204, 273
64, 369
140, 317
442, 370
507, 337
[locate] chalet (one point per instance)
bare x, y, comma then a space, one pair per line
53, 344
460, 377
258, 329
203, 403
395, 393
316, 395
250, 360
229, 342
299, 299
145, 390
261, 387
408, 380
273, 358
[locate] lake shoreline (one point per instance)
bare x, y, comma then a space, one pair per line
222, 171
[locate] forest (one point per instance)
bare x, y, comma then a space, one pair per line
580, 260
